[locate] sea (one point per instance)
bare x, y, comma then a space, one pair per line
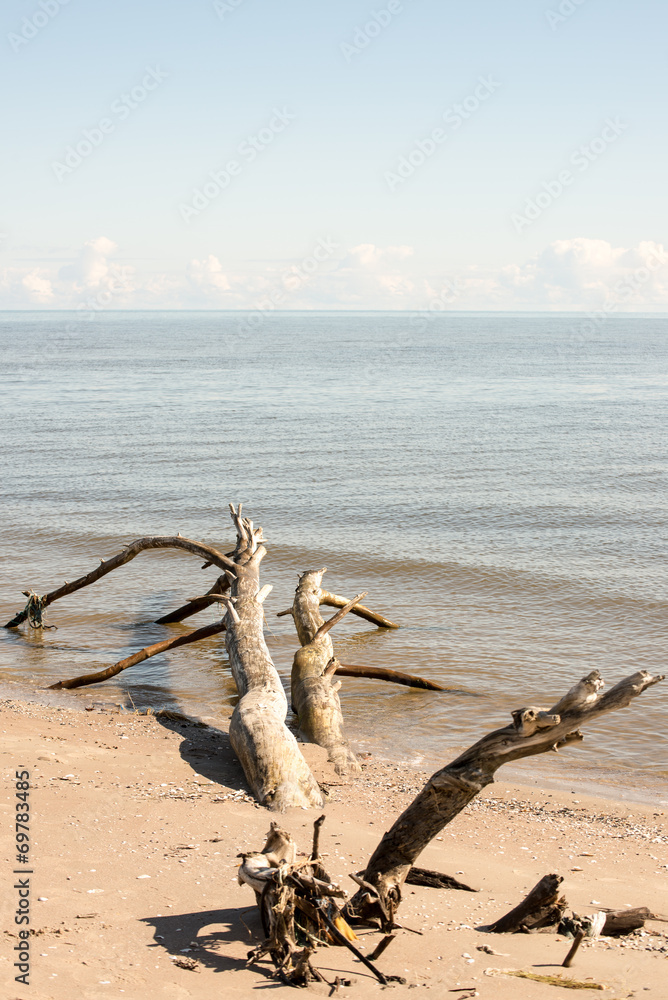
496, 483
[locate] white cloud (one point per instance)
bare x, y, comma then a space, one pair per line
208, 275
91, 268
38, 287
576, 274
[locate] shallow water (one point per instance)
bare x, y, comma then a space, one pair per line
495, 483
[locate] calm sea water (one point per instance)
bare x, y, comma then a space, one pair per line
497, 483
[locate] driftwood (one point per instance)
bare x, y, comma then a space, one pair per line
435, 880
221, 586
618, 922
269, 754
132, 550
314, 692
298, 910
385, 674
541, 908
577, 941
334, 601
448, 791
144, 654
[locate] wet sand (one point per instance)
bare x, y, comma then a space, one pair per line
136, 824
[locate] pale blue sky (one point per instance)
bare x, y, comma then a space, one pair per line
328, 174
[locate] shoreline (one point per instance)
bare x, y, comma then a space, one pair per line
616, 782
137, 822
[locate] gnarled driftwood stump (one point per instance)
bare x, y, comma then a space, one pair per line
269, 754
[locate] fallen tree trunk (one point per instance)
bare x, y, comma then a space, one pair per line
448, 791
269, 754
139, 657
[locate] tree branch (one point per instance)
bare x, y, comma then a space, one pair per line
533, 731
385, 674
334, 601
129, 553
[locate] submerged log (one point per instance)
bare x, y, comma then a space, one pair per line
268, 752
385, 674
221, 586
533, 731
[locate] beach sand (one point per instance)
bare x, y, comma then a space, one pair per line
136, 824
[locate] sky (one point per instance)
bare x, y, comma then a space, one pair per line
334, 154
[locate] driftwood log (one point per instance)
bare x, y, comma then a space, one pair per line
542, 907
448, 791
619, 922
435, 880
196, 604
385, 674
269, 754
314, 692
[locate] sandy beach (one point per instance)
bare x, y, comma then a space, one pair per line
136, 824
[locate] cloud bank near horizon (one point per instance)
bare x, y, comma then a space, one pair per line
575, 274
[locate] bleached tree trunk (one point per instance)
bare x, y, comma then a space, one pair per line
268, 752
315, 698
